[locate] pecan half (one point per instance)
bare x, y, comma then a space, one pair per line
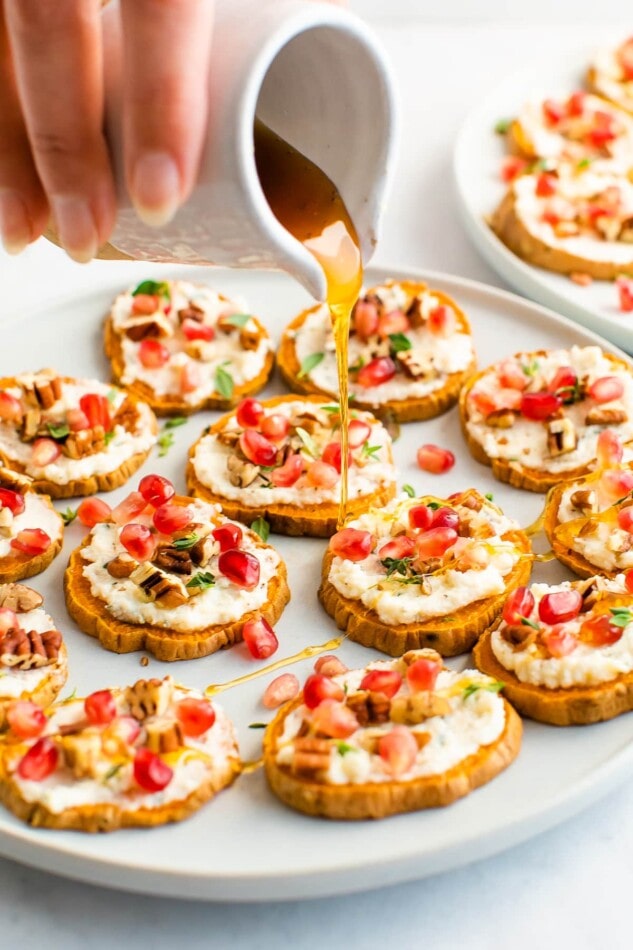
121, 566
19, 597
416, 365
605, 416
241, 473
311, 757
583, 500
85, 442
22, 650
149, 697
410, 710
250, 339
166, 591
173, 561
369, 707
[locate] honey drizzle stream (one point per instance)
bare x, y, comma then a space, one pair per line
307, 203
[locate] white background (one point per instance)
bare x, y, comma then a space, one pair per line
499, 11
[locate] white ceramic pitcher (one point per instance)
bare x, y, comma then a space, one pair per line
316, 75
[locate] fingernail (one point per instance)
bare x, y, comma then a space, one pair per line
15, 226
156, 188
76, 227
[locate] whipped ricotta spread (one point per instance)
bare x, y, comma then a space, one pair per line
444, 355
20, 684
223, 602
210, 464
223, 352
398, 601
476, 719
525, 442
37, 513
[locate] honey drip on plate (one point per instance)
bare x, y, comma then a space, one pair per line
307, 203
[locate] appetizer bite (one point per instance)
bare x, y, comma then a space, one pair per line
183, 347
144, 755
535, 418
281, 460
564, 652
33, 661
171, 575
611, 74
410, 351
72, 436
31, 531
424, 572
397, 736
569, 222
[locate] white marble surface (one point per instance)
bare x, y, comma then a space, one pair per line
569, 887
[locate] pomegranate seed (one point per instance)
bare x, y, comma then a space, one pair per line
153, 354
564, 379
150, 772
551, 218
330, 665
387, 682
616, 483
600, 137
365, 318
249, 413
332, 455
625, 518
190, 378
287, 474
483, 402
511, 167
92, 511
519, 604
12, 500
322, 475
442, 321
170, 518
145, 304
131, 507
559, 641
352, 544
581, 278
228, 536
393, 322
10, 407
275, 427
77, 420
400, 547
540, 406
606, 389
196, 716
96, 408
156, 490
260, 638
628, 580
31, 541
39, 762
553, 112
319, 687
625, 293
44, 452
600, 631
125, 728
576, 103
378, 371
398, 750
423, 674
545, 185
434, 459
280, 690
334, 720
511, 376
421, 517
560, 606
257, 448
138, 541
100, 707
446, 518
435, 542
609, 449
26, 720
8, 620
193, 330
240, 567
357, 433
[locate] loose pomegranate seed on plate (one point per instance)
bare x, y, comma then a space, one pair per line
606, 389
145, 304
12, 500
228, 536
421, 517
559, 641
352, 544
275, 427
156, 490
599, 631
609, 448
357, 433
445, 518
240, 567
138, 541
153, 354
625, 294
435, 459
92, 511
249, 413
560, 606
39, 762
194, 330
423, 674
616, 483
257, 448
44, 452
196, 716
100, 707
322, 475
8, 620
334, 719
10, 407
150, 772
435, 542
398, 750
96, 408
290, 472
190, 378
170, 518
330, 665
387, 682
397, 548
519, 605
442, 321
31, 541
365, 316
77, 420
378, 371
319, 687
26, 719
540, 406
260, 638
280, 690
393, 322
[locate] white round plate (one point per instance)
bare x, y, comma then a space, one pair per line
245, 845
476, 162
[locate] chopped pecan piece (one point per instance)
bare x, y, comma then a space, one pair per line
31, 422
228, 437
149, 697
369, 707
587, 529
166, 591
6, 522
501, 419
14, 480
519, 635
414, 313
194, 527
250, 339
85, 442
311, 757
416, 365
121, 566
241, 473
163, 735
224, 324
561, 436
470, 499
173, 561
422, 738
583, 500
626, 232
83, 752
605, 416
199, 350
589, 593
22, 650
203, 550
47, 391
619, 541
191, 312
127, 415
412, 655
411, 710
19, 597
